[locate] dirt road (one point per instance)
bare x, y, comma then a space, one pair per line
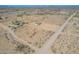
46, 47
12, 36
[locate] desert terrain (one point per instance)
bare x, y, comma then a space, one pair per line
37, 30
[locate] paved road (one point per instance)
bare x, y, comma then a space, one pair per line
46, 47
15, 12
15, 38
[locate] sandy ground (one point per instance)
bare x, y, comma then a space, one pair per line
36, 33
68, 41
36, 30
6, 46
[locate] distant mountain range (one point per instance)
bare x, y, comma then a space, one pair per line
39, 6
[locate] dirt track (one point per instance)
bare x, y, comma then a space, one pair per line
48, 43
14, 37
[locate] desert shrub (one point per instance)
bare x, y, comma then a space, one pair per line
20, 47
1, 18
19, 15
16, 24
24, 49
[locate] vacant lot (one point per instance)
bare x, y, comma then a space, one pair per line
34, 28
